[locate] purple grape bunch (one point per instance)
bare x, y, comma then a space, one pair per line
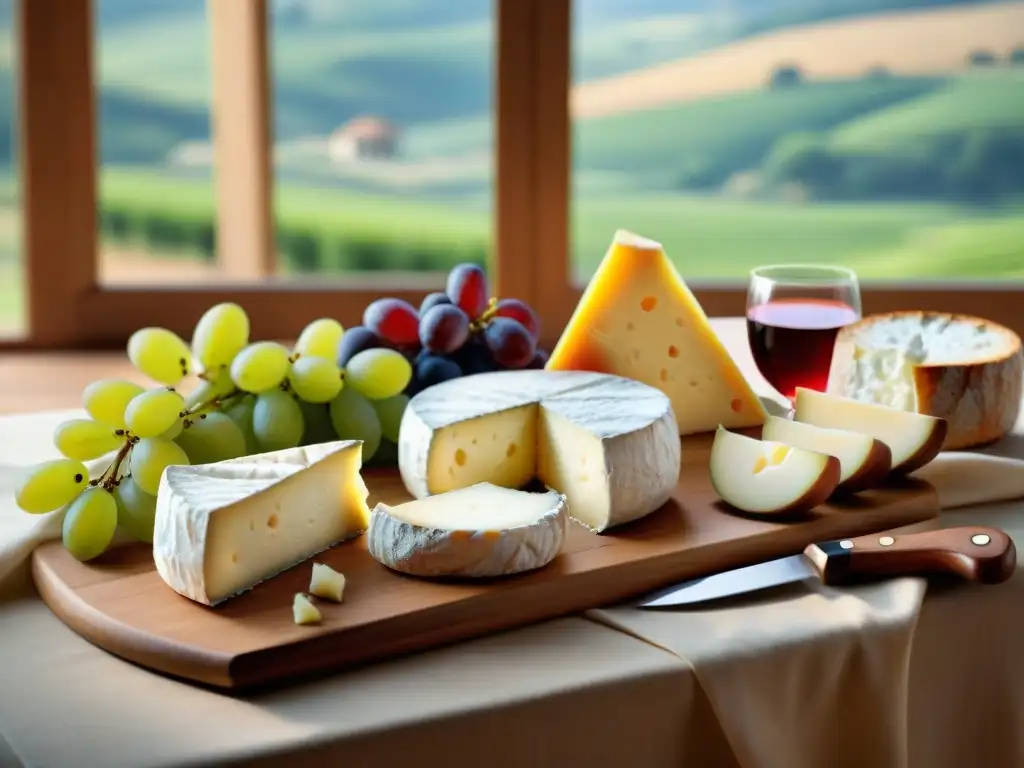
458, 332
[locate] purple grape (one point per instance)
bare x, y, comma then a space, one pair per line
474, 357
510, 343
394, 320
433, 369
355, 340
432, 300
444, 329
540, 359
467, 287
521, 311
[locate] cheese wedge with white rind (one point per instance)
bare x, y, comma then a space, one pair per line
966, 370
637, 318
476, 532
606, 442
768, 478
222, 528
913, 438
864, 461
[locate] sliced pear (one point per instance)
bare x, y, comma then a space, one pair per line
914, 439
770, 478
864, 461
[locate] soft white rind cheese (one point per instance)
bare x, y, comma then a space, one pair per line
610, 444
476, 532
963, 369
222, 528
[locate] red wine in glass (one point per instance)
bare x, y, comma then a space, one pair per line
793, 317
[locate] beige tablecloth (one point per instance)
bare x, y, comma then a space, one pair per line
868, 677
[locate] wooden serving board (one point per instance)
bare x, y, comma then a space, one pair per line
119, 603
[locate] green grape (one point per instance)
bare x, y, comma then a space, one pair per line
277, 421
320, 339
106, 400
386, 455
51, 485
90, 523
241, 413
85, 439
354, 418
214, 384
315, 379
316, 420
136, 510
220, 334
260, 367
150, 457
160, 354
212, 438
389, 411
172, 431
378, 373
153, 412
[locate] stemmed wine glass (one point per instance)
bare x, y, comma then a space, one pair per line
794, 313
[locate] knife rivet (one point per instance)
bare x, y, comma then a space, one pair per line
887, 541
846, 544
981, 539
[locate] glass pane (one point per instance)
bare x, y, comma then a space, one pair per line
12, 277
883, 135
156, 213
383, 155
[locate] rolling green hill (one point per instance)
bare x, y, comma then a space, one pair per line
993, 101
702, 143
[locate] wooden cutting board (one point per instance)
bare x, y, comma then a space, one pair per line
119, 603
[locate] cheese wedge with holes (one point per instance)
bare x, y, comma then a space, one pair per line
966, 370
608, 443
476, 532
638, 319
222, 528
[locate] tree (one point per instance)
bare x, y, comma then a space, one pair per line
1017, 56
981, 59
785, 76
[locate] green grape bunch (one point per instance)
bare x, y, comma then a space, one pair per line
221, 397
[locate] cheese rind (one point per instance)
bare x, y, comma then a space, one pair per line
327, 583
638, 319
476, 532
966, 370
608, 443
222, 528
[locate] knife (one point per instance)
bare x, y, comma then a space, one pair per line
982, 555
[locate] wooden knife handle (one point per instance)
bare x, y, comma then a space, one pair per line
983, 555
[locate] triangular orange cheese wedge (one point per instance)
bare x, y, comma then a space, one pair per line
638, 319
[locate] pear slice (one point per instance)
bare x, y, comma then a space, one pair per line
914, 439
770, 478
864, 461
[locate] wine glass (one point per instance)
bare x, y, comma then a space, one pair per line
794, 313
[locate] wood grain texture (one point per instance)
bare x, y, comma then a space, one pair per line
976, 553
120, 603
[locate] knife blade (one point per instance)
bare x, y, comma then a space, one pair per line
974, 553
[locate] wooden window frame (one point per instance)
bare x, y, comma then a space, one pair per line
68, 307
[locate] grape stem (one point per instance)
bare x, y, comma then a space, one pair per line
488, 314
215, 403
109, 479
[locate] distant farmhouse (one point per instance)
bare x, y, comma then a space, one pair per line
363, 138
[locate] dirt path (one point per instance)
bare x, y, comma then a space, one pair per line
924, 42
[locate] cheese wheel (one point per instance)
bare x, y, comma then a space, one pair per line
963, 369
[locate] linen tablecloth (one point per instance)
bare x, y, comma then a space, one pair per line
870, 676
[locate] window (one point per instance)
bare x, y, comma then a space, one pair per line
304, 157
12, 290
